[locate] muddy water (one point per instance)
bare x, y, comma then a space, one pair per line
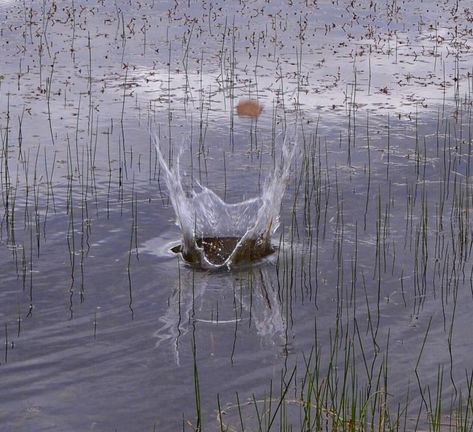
104, 328
219, 249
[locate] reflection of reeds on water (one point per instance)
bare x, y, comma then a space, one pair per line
382, 211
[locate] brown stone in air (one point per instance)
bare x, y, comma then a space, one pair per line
249, 108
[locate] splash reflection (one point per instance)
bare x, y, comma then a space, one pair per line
228, 300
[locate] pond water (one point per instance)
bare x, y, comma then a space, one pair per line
359, 319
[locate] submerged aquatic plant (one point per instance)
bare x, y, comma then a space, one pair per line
217, 234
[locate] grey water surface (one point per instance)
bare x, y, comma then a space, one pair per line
103, 328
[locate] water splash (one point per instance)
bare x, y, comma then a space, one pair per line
217, 234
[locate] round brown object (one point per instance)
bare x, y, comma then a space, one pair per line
249, 108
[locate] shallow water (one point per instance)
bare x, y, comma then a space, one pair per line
106, 329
